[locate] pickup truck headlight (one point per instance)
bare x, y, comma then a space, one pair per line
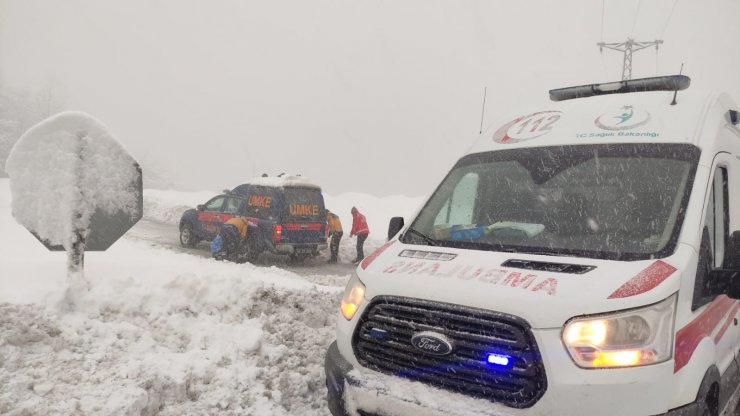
354, 293
623, 339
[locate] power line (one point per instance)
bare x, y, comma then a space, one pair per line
631, 45
603, 6
670, 15
634, 22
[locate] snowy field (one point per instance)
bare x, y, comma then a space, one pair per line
168, 331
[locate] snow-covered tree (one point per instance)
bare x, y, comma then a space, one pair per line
68, 176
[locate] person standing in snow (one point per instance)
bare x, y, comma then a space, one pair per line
335, 232
359, 229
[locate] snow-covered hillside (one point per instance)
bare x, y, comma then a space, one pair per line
163, 332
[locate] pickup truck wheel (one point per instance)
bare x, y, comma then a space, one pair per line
187, 237
253, 255
247, 253
298, 258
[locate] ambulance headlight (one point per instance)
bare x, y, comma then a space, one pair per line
624, 339
354, 293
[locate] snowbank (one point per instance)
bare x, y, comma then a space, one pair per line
159, 333
187, 345
167, 333
377, 210
168, 206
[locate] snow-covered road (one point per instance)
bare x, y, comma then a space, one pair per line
316, 270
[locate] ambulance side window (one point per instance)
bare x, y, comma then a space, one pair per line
461, 207
714, 240
717, 218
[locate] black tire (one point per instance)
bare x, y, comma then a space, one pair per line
247, 253
253, 255
298, 258
704, 410
187, 237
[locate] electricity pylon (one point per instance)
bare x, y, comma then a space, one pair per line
627, 48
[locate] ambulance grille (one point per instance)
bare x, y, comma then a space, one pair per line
382, 342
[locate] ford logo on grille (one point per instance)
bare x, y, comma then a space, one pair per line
432, 343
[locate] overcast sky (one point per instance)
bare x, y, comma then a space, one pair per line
371, 96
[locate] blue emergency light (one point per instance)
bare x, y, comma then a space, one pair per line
499, 360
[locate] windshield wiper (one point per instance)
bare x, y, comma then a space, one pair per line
541, 253
429, 240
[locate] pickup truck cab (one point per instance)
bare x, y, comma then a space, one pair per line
582, 259
286, 215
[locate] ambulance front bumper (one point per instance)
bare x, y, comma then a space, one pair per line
355, 390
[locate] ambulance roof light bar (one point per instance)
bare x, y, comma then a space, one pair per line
665, 83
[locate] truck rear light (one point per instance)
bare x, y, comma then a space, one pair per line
277, 233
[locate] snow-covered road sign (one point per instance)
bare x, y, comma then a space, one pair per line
74, 186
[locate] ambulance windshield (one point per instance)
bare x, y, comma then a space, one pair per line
624, 201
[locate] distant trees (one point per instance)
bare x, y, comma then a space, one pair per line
19, 110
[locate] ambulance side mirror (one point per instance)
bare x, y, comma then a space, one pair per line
395, 225
201, 207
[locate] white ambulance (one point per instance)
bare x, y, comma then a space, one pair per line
582, 259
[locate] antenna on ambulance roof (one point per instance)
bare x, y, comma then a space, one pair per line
675, 92
483, 110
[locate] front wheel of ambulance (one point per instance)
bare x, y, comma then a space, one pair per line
187, 236
705, 410
705, 407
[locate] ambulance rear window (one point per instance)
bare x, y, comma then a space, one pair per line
604, 201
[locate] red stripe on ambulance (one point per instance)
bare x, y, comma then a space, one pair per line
369, 259
645, 281
728, 321
689, 337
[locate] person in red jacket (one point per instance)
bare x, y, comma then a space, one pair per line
359, 229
